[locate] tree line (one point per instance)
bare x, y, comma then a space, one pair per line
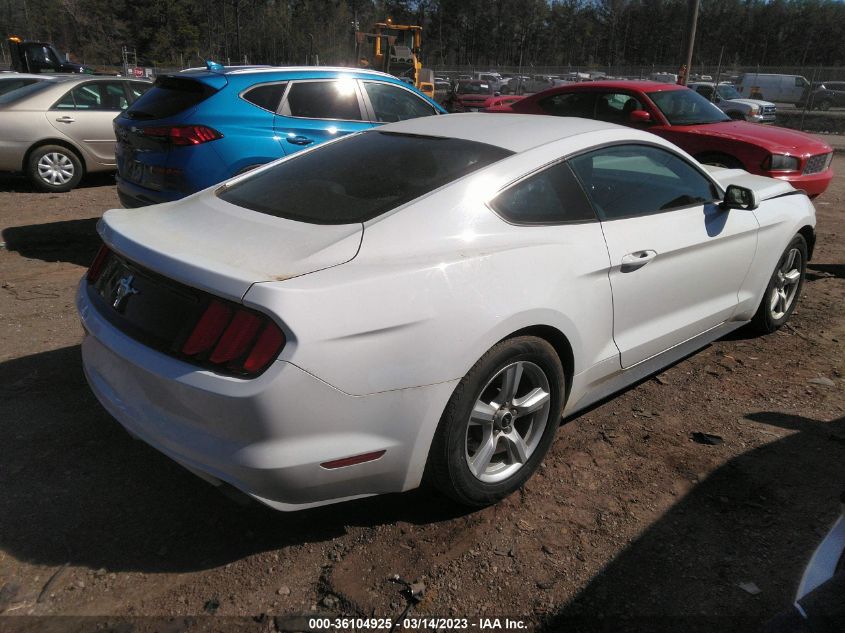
482, 33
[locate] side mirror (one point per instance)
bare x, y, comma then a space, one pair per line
737, 197
497, 94
639, 116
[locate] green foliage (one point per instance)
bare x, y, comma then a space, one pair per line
477, 32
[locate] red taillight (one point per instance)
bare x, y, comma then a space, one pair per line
183, 134
240, 333
208, 329
96, 268
242, 340
265, 349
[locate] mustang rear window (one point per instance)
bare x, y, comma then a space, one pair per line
360, 178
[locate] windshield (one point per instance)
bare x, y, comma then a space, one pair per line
728, 92
359, 178
470, 88
687, 107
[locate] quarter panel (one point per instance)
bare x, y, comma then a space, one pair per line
434, 287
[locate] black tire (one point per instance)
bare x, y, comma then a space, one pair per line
449, 459
769, 316
824, 105
720, 160
54, 168
736, 115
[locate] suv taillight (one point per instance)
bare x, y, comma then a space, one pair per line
239, 339
183, 134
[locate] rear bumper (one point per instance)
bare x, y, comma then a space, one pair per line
132, 195
267, 436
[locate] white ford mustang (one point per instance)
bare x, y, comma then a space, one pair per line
425, 298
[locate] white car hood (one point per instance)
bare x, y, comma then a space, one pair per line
750, 102
215, 246
763, 186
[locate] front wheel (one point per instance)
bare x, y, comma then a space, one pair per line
784, 288
499, 423
53, 168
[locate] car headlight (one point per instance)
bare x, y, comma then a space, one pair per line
755, 110
781, 162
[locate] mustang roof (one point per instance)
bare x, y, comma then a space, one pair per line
514, 132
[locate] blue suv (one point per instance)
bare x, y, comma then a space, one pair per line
196, 128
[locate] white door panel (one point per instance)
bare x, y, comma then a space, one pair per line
696, 260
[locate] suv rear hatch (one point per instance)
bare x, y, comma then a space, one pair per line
146, 131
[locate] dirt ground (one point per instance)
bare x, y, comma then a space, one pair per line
628, 524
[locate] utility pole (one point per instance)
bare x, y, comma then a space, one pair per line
693, 21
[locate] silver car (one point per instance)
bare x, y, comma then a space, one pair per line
56, 131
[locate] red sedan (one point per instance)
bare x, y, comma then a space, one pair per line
689, 120
470, 96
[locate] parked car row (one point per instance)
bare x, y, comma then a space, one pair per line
193, 129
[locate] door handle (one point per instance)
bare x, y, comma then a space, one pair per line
65, 119
636, 260
299, 140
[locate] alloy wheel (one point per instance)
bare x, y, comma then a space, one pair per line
787, 280
507, 421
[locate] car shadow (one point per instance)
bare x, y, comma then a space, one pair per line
73, 241
770, 506
76, 488
820, 271
18, 183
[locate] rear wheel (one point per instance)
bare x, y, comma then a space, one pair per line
499, 423
784, 288
54, 168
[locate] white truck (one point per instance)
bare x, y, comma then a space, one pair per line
727, 99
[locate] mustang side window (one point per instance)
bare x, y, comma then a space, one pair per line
630, 180
552, 196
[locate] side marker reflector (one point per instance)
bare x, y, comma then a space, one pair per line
351, 461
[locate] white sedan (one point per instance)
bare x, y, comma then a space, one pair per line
425, 300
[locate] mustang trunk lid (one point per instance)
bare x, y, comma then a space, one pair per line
218, 247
